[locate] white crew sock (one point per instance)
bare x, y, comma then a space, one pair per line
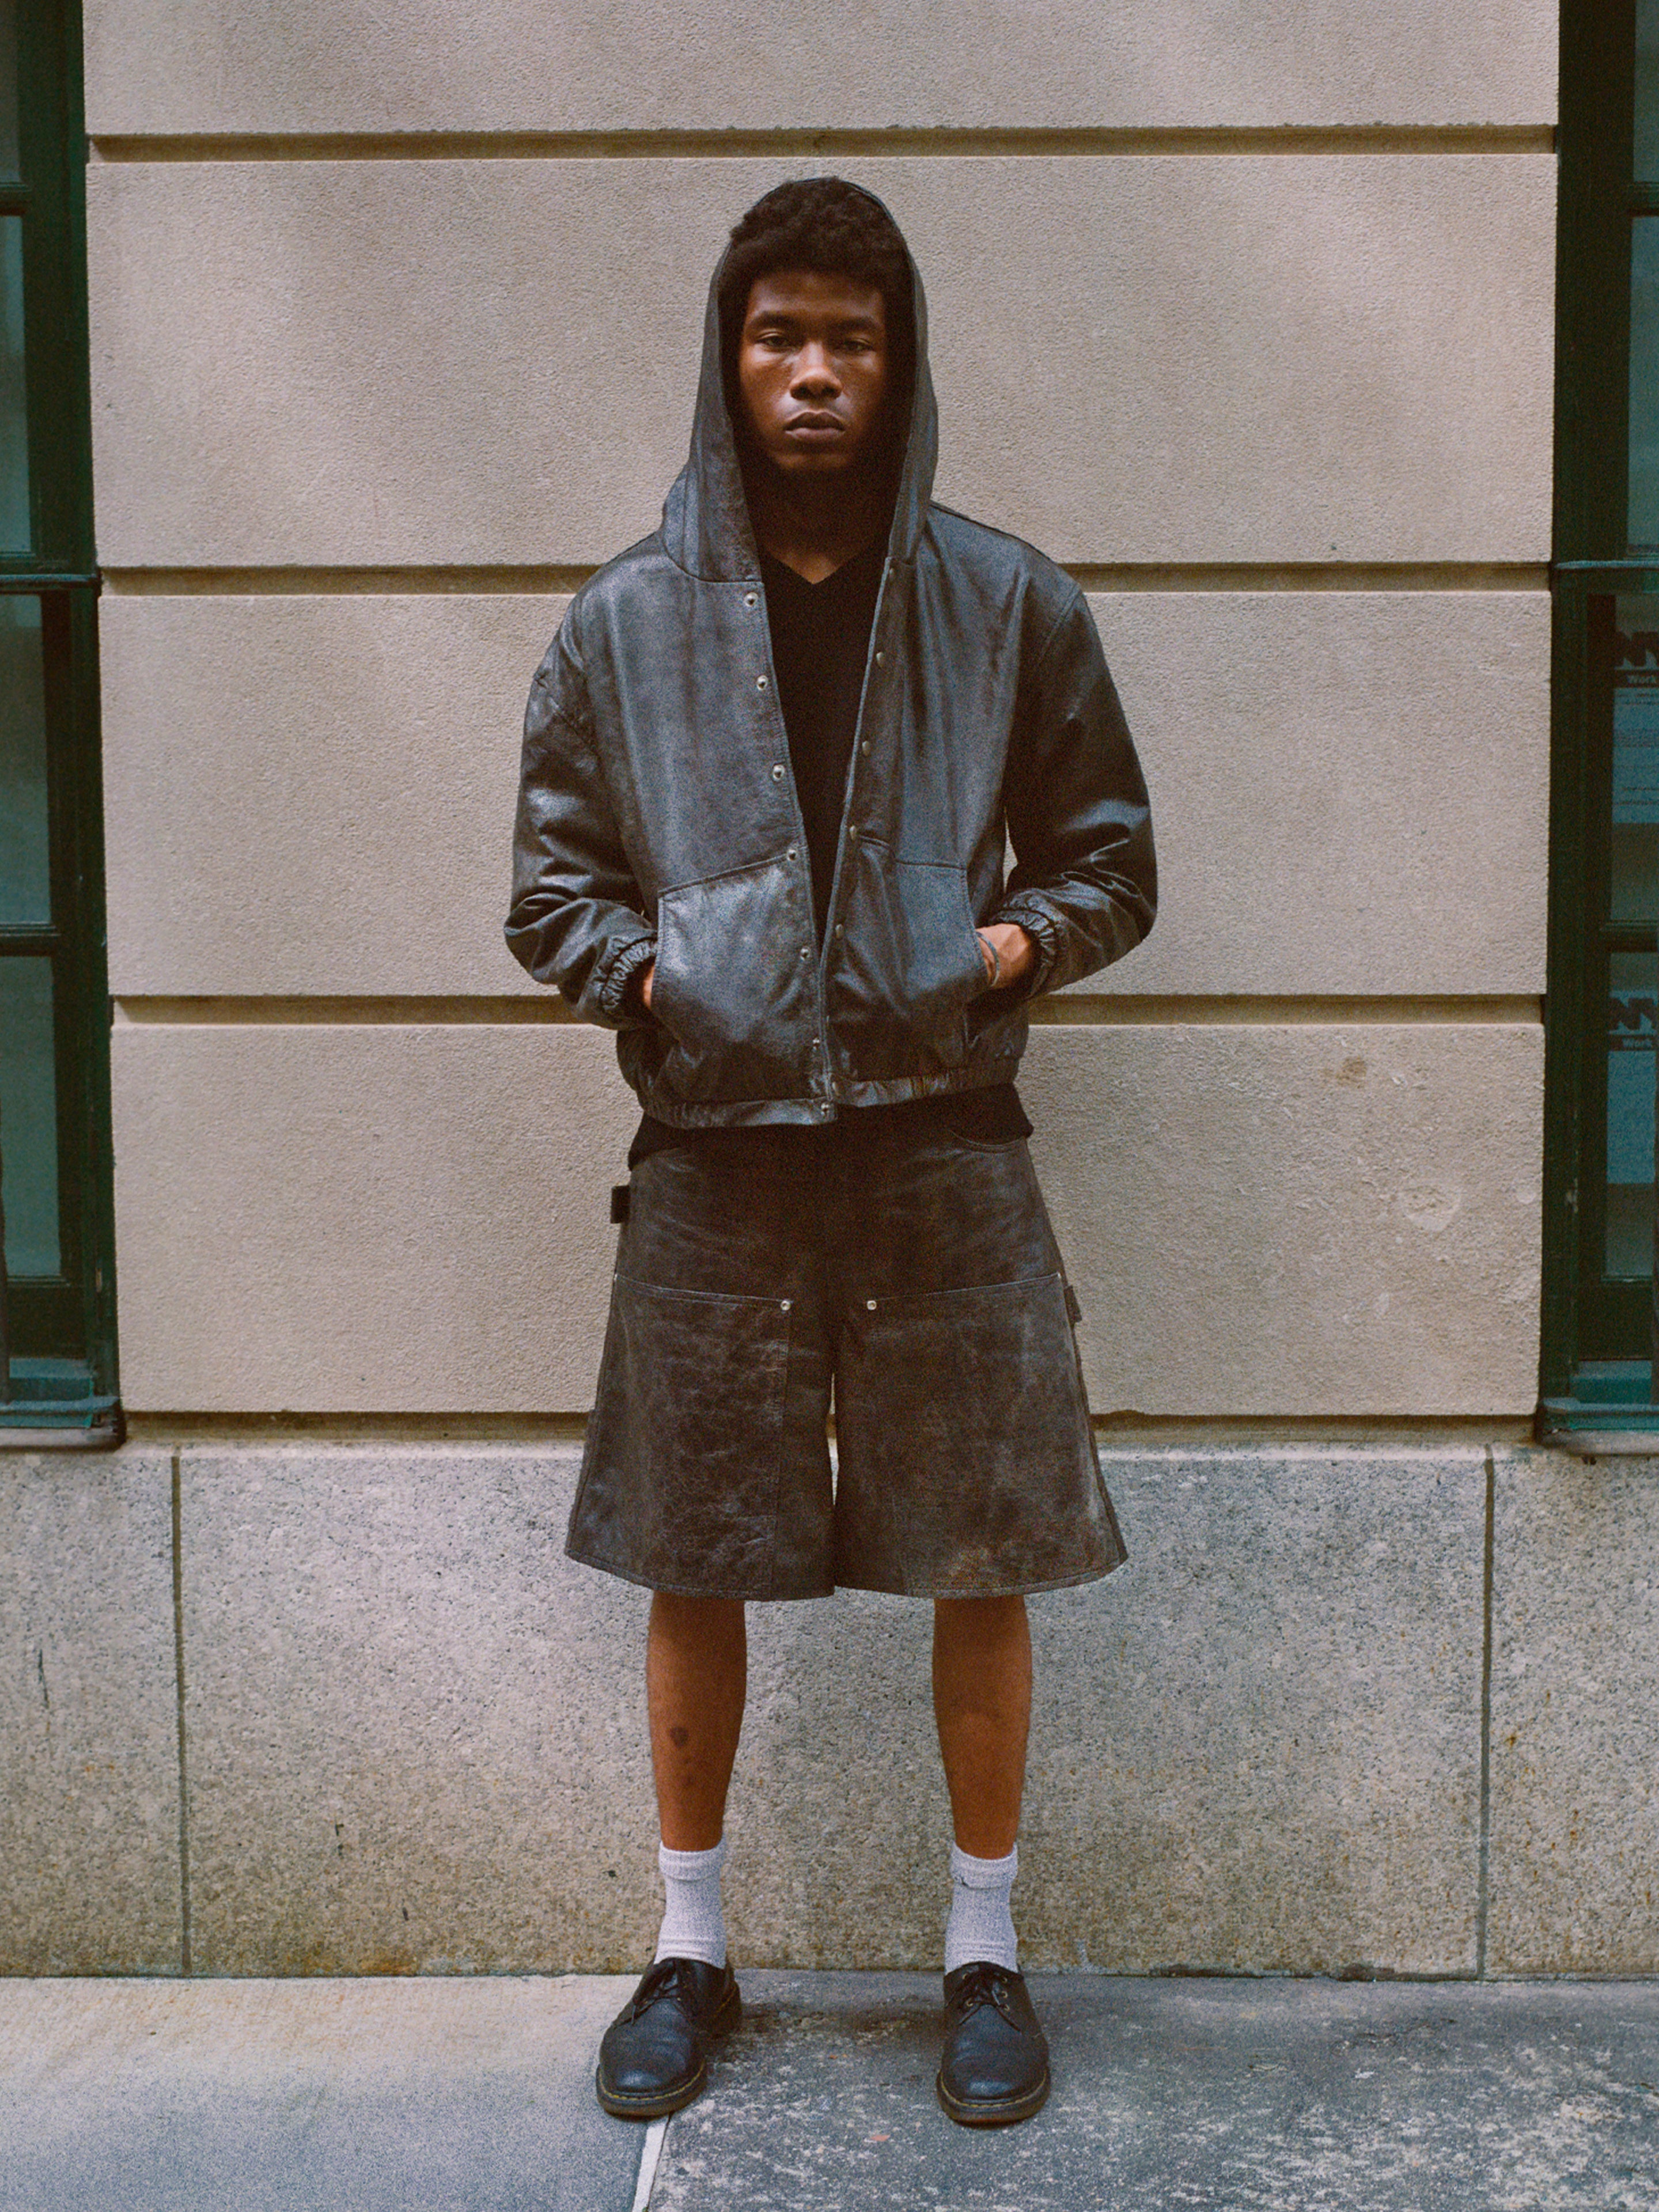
981, 1925
694, 1925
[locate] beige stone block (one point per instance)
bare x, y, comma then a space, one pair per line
1284, 1220
1265, 1751
1350, 789
314, 794
1575, 1716
1255, 359
1297, 1220
418, 1732
393, 1220
89, 1878
646, 65
418, 1738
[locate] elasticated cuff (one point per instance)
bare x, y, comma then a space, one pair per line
1039, 927
613, 992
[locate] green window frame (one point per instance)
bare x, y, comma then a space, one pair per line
60, 1320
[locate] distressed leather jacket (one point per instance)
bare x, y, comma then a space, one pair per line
658, 816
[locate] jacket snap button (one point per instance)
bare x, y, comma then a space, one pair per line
751, 598
824, 1109
784, 1304
840, 929
806, 953
760, 683
865, 747
852, 833
777, 775
881, 661
792, 852
869, 1305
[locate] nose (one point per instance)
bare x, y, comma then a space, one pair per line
814, 376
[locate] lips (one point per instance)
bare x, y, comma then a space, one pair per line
813, 426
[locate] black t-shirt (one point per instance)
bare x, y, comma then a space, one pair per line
820, 643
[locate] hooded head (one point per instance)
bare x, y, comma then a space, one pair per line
825, 226
832, 229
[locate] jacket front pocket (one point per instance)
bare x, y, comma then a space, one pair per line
731, 987
908, 965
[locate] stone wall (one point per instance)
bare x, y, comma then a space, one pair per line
1246, 315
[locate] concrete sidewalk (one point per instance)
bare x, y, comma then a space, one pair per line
474, 2096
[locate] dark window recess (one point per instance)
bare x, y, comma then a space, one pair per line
58, 1377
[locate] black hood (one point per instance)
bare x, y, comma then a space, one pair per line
705, 518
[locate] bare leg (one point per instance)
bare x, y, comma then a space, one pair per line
697, 1664
982, 1704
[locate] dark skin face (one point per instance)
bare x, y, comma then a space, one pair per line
812, 368
813, 373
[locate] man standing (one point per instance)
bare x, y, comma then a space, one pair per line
772, 761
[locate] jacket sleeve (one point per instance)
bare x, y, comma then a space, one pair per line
577, 917
1084, 882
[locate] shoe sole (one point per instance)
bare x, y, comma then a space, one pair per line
983, 2112
621, 2106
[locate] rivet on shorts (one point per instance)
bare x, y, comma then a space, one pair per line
869, 1305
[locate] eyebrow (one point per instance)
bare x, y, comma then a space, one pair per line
855, 322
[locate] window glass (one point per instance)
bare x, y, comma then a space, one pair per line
25, 892
1643, 524
1632, 982
1646, 166
14, 421
28, 1117
1635, 874
1632, 976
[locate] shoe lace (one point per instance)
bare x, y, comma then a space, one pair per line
986, 1984
660, 1980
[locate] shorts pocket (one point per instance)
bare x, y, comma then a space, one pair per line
967, 1461
680, 1478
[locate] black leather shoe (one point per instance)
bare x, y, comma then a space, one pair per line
995, 2067
654, 2057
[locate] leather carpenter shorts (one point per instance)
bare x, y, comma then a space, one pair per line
914, 1276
